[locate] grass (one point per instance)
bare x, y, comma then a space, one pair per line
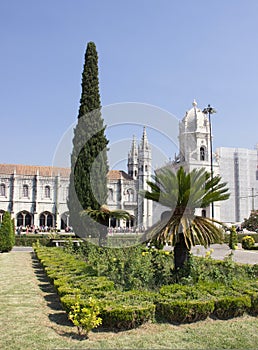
31, 318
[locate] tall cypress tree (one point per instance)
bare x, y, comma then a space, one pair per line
7, 235
88, 182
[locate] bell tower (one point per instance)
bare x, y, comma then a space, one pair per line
194, 139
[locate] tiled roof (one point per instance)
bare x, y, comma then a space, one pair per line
118, 174
20, 169
8, 169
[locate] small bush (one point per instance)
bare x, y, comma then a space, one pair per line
85, 317
248, 242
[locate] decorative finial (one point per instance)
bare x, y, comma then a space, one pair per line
194, 103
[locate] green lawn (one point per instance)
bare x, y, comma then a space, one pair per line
32, 318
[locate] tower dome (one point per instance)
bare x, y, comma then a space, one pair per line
194, 118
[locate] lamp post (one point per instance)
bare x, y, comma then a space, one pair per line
209, 110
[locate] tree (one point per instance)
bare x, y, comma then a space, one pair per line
7, 235
251, 224
182, 193
88, 181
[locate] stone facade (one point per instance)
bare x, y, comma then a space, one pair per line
37, 195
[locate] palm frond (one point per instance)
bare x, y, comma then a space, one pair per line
184, 192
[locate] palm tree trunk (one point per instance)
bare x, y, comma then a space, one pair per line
181, 253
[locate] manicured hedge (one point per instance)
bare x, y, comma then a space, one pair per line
231, 306
182, 311
27, 240
69, 275
175, 303
123, 317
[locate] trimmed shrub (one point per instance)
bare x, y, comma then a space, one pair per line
253, 310
185, 292
6, 233
184, 311
123, 317
248, 242
227, 307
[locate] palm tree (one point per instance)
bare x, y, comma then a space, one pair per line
182, 193
101, 216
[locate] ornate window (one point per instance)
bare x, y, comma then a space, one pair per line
47, 191
25, 191
202, 153
129, 195
110, 194
46, 220
2, 190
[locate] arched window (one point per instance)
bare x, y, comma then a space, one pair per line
146, 167
135, 173
204, 213
24, 219
2, 190
46, 220
110, 194
129, 195
202, 153
25, 191
47, 192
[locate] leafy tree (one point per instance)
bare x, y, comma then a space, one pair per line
7, 235
251, 224
182, 193
88, 182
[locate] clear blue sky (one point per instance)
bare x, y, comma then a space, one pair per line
164, 53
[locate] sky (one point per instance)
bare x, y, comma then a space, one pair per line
161, 54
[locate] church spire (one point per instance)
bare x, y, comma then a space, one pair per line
132, 164
144, 142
